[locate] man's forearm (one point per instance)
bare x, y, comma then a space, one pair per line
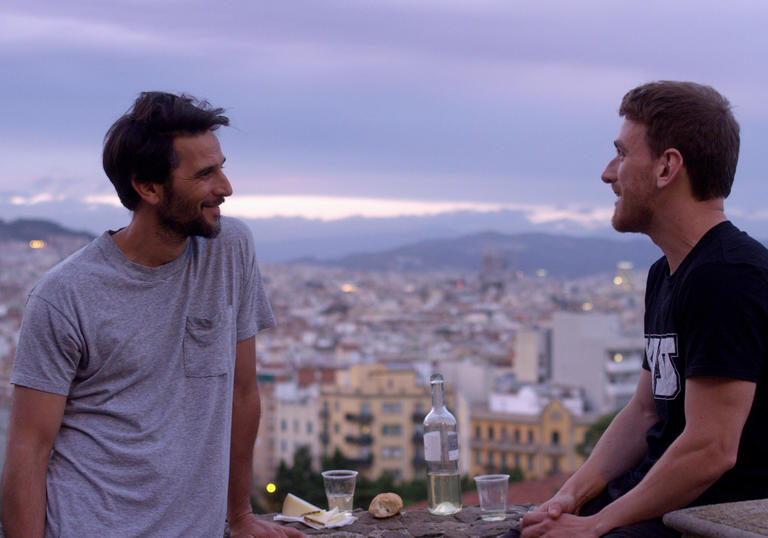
620, 448
685, 471
246, 413
23, 494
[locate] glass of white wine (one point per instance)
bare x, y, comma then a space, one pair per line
340, 489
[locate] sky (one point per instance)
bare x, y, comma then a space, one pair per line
372, 108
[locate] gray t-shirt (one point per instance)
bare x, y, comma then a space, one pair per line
146, 359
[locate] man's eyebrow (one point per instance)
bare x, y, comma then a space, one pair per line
208, 169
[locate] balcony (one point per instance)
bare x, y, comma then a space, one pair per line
361, 418
324, 438
418, 417
359, 439
361, 462
418, 438
324, 414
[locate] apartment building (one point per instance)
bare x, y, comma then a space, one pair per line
374, 415
538, 435
590, 350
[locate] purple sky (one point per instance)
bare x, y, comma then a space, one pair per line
473, 104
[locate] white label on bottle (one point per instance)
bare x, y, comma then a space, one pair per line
432, 446
453, 446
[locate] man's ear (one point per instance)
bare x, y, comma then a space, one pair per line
668, 167
151, 193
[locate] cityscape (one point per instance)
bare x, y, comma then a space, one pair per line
530, 361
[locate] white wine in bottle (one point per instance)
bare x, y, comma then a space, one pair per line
441, 453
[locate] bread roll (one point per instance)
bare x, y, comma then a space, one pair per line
385, 505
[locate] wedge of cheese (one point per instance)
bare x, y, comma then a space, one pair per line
325, 517
293, 506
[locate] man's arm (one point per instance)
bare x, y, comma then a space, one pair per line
246, 413
715, 412
34, 423
716, 409
621, 447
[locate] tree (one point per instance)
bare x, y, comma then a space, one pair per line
300, 480
594, 433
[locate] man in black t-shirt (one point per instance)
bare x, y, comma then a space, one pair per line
694, 431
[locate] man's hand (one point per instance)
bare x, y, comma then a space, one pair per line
539, 523
249, 526
561, 503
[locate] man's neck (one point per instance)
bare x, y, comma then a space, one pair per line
679, 230
145, 242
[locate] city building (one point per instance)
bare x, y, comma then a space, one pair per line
537, 429
591, 351
374, 415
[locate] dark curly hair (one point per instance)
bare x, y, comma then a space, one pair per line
139, 145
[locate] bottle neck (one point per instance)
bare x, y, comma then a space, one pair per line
438, 401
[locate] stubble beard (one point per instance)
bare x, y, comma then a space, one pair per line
174, 218
637, 219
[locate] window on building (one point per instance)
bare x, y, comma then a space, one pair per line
530, 436
517, 460
490, 459
309, 427
336, 405
296, 426
478, 433
391, 408
517, 435
530, 462
283, 425
336, 427
503, 460
555, 465
504, 433
283, 446
478, 458
391, 452
391, 429
365, 409
490, 432
555, 438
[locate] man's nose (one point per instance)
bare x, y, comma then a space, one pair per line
609, 174
223, 186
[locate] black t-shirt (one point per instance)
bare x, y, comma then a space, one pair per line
710, 318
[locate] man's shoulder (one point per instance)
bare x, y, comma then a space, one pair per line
234, 231
68, 273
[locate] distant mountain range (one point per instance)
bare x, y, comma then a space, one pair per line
29, 229
558, 255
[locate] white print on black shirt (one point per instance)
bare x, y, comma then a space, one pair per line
660, 350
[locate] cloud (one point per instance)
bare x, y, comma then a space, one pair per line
37, 31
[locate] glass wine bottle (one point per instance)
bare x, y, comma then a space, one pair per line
441, 453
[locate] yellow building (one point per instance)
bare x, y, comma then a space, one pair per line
374, 415
538, 444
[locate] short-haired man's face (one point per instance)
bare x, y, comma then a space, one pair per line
191, 200
631, 176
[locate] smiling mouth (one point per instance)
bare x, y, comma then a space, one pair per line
214, 204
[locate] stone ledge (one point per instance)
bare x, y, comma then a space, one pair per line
420, 523
745, 519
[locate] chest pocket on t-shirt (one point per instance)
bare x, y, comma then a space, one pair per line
208, 345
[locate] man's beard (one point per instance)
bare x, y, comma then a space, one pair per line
175, 213
634, 218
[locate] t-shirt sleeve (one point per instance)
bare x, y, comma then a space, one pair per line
49, 349
255, 312
725, 313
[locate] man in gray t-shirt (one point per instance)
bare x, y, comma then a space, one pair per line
135, 405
